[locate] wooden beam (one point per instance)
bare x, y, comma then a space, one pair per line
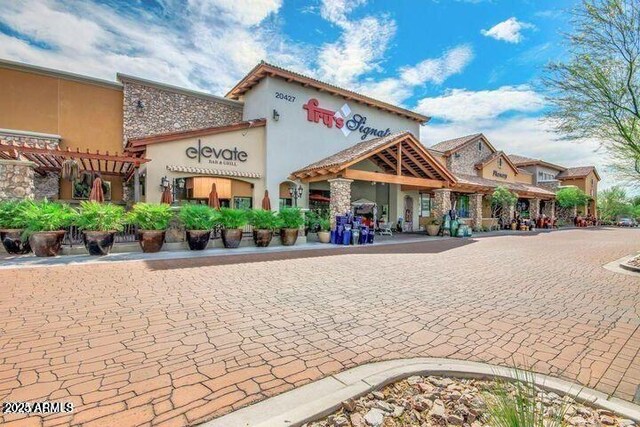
318, 178
399, 159
384, 159
391, 179
414, 160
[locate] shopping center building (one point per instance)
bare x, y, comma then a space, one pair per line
307, 143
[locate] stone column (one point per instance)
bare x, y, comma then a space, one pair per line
17, 179
534, 208
475, 210
441, 202
340, 194
47, 186
553, 209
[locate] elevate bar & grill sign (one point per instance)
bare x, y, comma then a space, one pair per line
222, 156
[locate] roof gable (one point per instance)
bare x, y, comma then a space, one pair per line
494, 157
263, 70
519, 160
452, 146
578, 172
414, 156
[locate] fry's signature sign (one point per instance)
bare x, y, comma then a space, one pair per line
340, 119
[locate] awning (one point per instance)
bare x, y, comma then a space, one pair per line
51, 159
214, 172
363, 202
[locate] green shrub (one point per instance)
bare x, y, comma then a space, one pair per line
519, 404
47, 216
324, 224
94, 216
290, 218
150, 216
262, 219
232, 218
12, 214
198, 217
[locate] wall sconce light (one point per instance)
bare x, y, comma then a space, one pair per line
164, 182
276, 115
139, 104
296, 193
180, 183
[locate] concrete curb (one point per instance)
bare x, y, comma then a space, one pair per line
620, 266
323, 397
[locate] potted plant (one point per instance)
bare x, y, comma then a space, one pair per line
12, 224
152, 220
291, 219
433, 226
99, 223
263, 222
198, 220
324, 230
45, 222
232, 222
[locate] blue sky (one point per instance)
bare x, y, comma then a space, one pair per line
473, 65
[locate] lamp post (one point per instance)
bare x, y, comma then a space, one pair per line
296, 193
178, 185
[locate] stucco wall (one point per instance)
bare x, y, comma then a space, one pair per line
164, 111
174, 153
494, 166
85, 115
294, 142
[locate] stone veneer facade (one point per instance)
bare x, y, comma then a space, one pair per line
17, 181
475, 210
340, 190
18, 178
464, 160
151, 110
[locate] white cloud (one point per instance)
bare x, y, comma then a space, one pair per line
508, 31
433, 70
464, 106
246, 13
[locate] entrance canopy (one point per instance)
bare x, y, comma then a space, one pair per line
401, 158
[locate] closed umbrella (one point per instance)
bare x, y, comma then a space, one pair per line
97, 194
214, 202
167, 197
266, 203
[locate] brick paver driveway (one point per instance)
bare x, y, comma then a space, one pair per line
179, 342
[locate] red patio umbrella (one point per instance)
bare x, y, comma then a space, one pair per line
97, 194
214, 202
266, 203
167, 197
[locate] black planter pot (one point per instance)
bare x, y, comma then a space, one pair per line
151, 240
288, 236
98, 242
198, 239
231, 237
262, 238
46, 243
13, 243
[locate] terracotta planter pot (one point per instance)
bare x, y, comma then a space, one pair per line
324, 236
198, 239
98, 242
262, 238
46, 243
433, 229
12, 241
288, 236
151, 240
231, 237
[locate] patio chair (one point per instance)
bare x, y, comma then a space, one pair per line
384, 229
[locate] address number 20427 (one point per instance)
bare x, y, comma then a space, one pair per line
286, 97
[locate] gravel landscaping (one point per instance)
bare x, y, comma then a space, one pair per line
436, 401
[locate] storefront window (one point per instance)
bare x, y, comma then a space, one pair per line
425, 205
463, 206
242, 202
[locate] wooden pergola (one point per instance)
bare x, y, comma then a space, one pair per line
52, 159
401, 158
49, 159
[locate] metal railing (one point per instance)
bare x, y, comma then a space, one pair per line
73, 235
